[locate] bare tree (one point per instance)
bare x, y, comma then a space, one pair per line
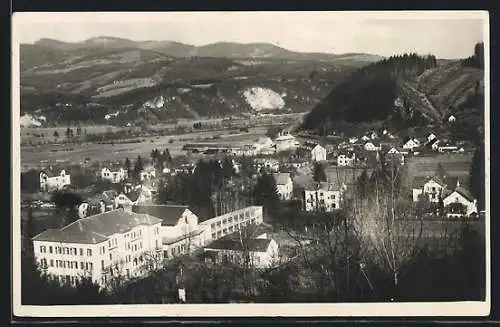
382, 224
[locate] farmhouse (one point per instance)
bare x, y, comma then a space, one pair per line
397, 155
371, 146
318, 153
108, 244
284, 185
411, 144
114, 176
52, 183
460, 203
346, 158
435, 187
321, 197
271, 165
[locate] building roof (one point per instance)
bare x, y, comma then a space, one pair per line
282, 178
249, 231
169, 214
465, 193
418, 182
110, 194
97, 228
324, 186
250, 244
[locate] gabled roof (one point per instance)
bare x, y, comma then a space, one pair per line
282, 178
465, 193
169, 214
418, 182
96, 229
250, 244
110, 194
324, 186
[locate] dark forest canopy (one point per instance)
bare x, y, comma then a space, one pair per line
370, 92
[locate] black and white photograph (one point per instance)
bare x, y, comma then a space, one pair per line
250, 164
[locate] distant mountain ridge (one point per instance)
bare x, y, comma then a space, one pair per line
217, 50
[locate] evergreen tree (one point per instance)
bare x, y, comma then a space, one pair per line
319, 174
138, 167
168, 157
265, 193
363, 184
440, 172
56, 134
127, 166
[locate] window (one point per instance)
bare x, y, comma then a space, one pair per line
50, 249
110, 256
42, 248
90, 265
51, 262
214, 235
89, 252
76, 264
81, 265
81, 251
102, 264
58, 250
109, 243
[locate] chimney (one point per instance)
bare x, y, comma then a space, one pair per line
458, 183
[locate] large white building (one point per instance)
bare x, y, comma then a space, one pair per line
346, 158
53, 183
128, 242
115, 177
102, 246
321, 196
460, 203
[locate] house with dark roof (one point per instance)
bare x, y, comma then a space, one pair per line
259, 253
322, 197
101, 246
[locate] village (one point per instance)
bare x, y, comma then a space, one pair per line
124, 229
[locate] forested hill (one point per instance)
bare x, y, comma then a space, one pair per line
406, 90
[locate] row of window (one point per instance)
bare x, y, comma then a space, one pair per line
230, 220
64, 250
134, 234
232, 228
65, 264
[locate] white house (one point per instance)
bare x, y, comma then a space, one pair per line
131, 196
411, 144
371, 146
321, 196
53, 183
117, 176
460, 203
318, 153
284, 185
102, 246
257, 252
346, 159
396, 155
271, 165
431, 137
285, 141
452, 119
431, 187
365, 138
148, 173
179, 230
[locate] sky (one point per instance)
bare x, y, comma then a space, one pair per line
445, 34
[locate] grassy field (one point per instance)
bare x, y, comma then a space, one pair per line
455, 164
32, 156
